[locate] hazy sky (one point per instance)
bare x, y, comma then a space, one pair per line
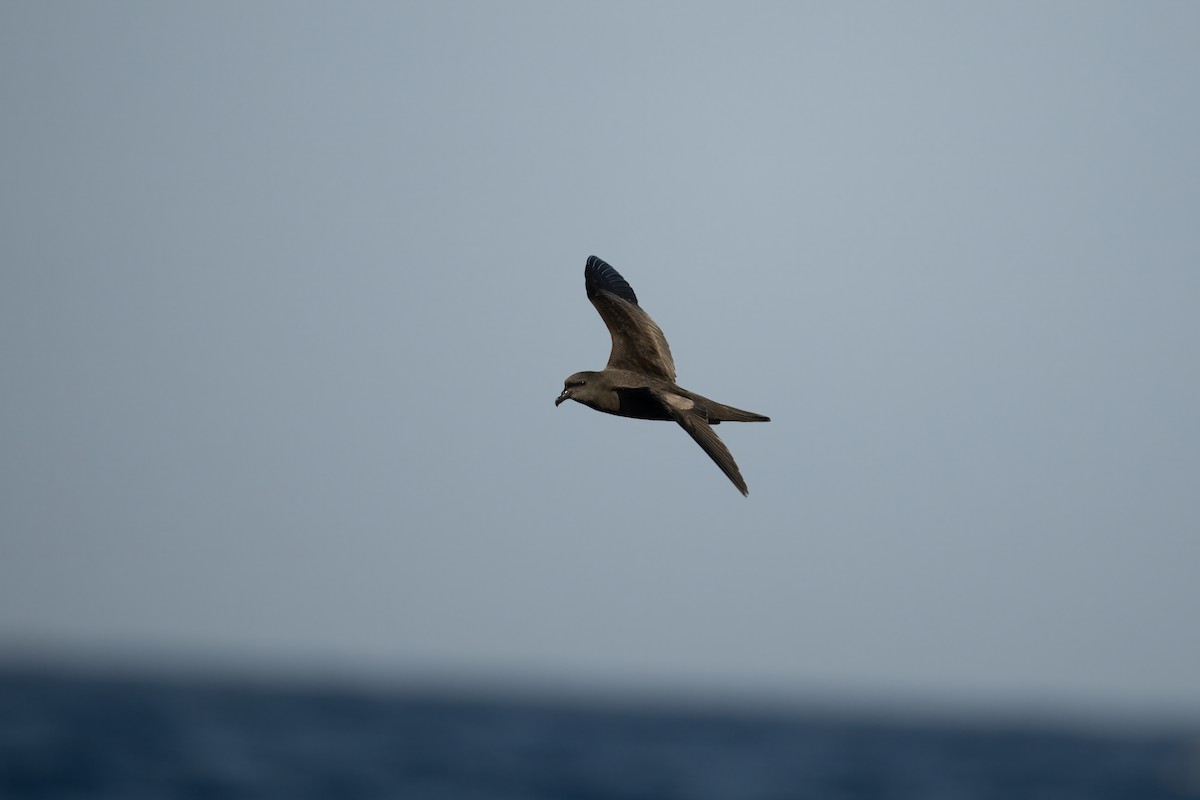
288, 291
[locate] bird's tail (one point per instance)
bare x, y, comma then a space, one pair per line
719, 412
723, 413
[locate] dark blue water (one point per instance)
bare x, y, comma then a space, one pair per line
78, 737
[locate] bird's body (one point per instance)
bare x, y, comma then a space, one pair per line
639, 380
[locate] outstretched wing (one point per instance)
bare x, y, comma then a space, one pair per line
638, 344
693, 418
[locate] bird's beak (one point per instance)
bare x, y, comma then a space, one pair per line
566, 395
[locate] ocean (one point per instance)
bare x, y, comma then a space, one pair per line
72, 735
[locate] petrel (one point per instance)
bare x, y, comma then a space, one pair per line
639, 379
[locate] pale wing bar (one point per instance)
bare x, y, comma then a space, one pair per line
692, 420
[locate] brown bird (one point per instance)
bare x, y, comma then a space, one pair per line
639, 379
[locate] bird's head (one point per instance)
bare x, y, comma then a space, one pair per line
576, 383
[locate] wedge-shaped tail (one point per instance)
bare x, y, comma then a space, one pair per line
719, 412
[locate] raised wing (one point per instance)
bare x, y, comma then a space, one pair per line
694, 419
638, 344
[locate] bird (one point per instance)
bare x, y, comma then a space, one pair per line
639, 379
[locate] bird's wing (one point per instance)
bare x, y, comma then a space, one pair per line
693, 418
638, 345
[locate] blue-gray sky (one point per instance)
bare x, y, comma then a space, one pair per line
288, 291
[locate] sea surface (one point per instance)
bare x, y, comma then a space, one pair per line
67, 735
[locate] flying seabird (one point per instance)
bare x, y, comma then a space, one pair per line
639, 379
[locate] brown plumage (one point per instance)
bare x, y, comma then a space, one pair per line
639, 379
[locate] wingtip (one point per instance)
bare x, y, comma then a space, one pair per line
599, 274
